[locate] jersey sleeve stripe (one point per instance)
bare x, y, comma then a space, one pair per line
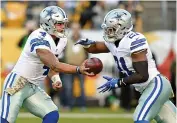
38, 42
138, 41
136, 46
34, 41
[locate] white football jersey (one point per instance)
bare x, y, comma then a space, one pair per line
29, 64
132, 42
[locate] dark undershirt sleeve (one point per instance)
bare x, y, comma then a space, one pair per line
141, 74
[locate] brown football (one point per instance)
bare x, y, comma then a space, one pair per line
94, 64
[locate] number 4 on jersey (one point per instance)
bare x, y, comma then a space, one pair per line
46, 70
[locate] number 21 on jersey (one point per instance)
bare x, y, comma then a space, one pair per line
121, 65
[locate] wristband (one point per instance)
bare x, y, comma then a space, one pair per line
55, 78
121, 83
78, 69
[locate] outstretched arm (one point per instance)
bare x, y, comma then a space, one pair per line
98, 47
49, 59
93, 46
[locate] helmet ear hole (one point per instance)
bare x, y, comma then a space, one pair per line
46, 24
123, 28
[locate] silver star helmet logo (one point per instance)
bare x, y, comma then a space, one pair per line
118, 15
50, 13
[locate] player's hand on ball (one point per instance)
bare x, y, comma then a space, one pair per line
85, 42
57, 85
84, 70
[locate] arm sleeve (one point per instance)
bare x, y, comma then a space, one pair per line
138, 43
141, 74
38, 43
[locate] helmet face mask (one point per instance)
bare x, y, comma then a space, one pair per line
117, 23
110, 33
49, 17
61, 27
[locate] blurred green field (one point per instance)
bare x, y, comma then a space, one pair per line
91, 115
79, 120
94, 110
82, 117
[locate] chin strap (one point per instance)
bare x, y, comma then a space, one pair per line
59, 35
108, 40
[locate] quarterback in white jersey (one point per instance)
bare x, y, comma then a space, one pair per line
134, 59
37, 60
35, 71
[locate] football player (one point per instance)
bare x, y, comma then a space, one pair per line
134, 59
39, 56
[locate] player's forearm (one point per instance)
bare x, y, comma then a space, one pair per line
141, 75
52, 62
57, 66
91, 49
135, 78
64, 68
98, 47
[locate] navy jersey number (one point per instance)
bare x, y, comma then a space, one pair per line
46, 70
133, 35
122, 67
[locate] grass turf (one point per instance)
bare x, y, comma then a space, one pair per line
94, 110
74, 120
85, 120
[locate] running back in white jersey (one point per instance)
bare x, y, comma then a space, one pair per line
132, 42
29, 65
